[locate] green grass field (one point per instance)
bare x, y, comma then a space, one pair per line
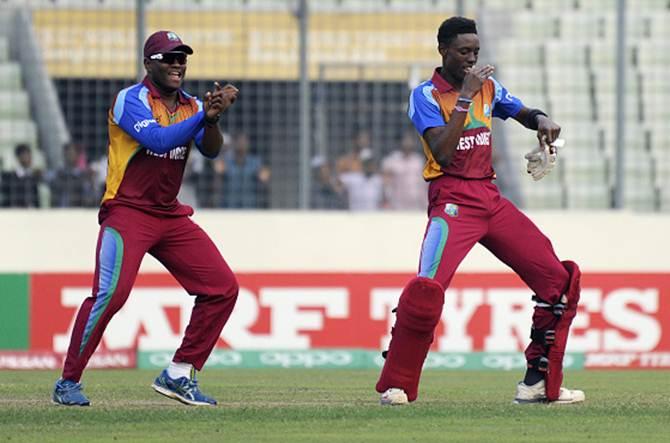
335, 406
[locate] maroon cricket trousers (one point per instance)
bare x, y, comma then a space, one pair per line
186, 251
464, 212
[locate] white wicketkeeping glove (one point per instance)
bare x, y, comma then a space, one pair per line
542, 159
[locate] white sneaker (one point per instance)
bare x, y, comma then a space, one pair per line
393, 397
536, 394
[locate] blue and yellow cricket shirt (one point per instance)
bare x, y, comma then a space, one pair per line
148, 148
431, 104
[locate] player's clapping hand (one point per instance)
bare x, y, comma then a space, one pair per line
218, 101
474, 79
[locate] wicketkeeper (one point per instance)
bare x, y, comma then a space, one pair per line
452, 113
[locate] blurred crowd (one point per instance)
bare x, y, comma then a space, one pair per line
25, 185
359, 181
238, 178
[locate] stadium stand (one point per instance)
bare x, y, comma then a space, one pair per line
15, 123
557, 55
572, 61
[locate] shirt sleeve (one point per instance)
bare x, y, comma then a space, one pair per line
133, 114
423, 110
201, 132
504, 104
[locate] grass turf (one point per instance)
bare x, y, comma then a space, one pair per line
334, 406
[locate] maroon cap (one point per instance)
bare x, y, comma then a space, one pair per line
165, 41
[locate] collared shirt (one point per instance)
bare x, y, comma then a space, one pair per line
364, 192
148, 148
431, 104
405, 189
241, 188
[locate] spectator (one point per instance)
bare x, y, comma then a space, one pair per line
351, 161
402, 169
209, 176
324, 192
99, 173
246, 178
73, 185
364, 189
20, 186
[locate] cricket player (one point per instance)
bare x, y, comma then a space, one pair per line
152, 126
452, 113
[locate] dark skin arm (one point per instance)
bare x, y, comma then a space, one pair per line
214, 104
443, 140
546, 128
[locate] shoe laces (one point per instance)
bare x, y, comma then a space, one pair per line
190, 386
68, 386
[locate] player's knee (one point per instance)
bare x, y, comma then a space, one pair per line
569, 276
234, 289
574, 279
115, 299
225, 285
558, 279
420, 305
572, 269
230, 288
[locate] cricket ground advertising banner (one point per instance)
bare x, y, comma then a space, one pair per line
343, 320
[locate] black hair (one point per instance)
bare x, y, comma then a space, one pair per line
453, 26
20, 149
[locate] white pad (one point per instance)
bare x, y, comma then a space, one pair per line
542, 159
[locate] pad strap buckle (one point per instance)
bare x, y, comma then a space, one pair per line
386, 352
557, 309
540, 364
546, 337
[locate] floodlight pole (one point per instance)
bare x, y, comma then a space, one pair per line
140, 32
460, 8
304, 109
621, 60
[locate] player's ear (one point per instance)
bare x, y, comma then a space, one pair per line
442, 49
147, 65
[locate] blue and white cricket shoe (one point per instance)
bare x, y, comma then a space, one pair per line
182, 389
68, 393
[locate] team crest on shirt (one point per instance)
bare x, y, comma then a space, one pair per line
451, 209
487, 110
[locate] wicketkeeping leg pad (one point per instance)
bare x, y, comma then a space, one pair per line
418, 313
554, 377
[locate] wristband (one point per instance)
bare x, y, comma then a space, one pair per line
464, 99
531, 121
210, 123
461, 109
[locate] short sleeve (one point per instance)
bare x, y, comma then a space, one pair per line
423, 110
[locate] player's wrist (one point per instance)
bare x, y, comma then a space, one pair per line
211, 121
462, 104
532, 120
465, 107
